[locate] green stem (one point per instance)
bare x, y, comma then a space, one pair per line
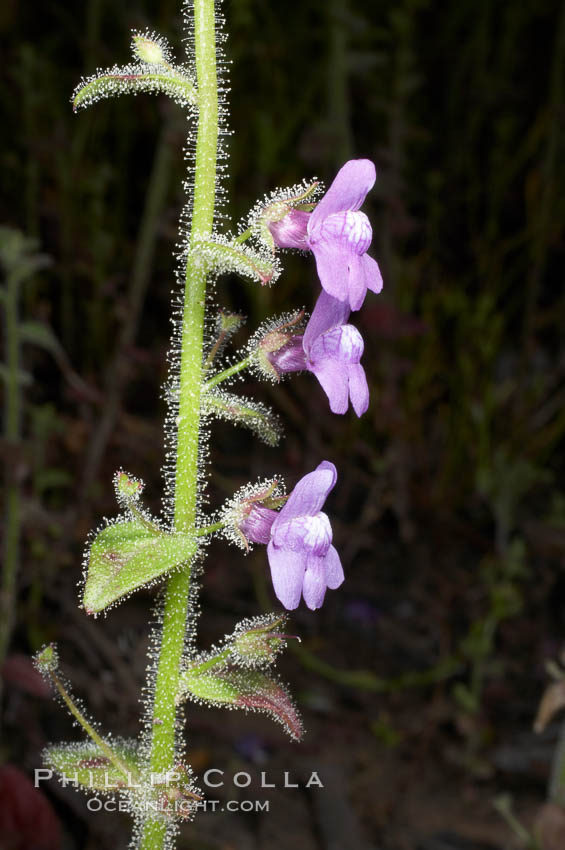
227, 373
243, 237
210, 663
209, 529
187, 471
90, 731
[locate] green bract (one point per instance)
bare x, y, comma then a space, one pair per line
209, 687
228, 257
242, 411
125, 556
236, 687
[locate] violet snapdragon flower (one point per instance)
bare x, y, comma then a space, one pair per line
301, 556
331, 349
338, 235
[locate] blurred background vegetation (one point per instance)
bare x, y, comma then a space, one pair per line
419, 679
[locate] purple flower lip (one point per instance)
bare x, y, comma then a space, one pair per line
350, 229
303, 562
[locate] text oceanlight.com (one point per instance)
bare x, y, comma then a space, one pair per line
180, 807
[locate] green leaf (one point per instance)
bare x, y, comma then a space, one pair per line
133, 79
251, 414
89, 767
125, 556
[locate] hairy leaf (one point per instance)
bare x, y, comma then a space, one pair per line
125, 556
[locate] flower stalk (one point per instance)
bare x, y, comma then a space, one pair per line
186, 477
133, 550
227, 373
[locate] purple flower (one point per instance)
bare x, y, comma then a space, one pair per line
301, 557
338, 235
331, 349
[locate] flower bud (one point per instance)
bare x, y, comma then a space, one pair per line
127, 487
228, 323
282, 220
47, 660
256, 523
258, 645
279, 349
290, 231
150, 48
289, 358
248, 516
211, 687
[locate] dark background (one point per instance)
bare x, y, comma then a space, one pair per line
419, 679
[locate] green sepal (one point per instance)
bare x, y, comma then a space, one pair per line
86, 765
125, 556
250, 414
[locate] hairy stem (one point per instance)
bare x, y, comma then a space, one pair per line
210, 529
186, 477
